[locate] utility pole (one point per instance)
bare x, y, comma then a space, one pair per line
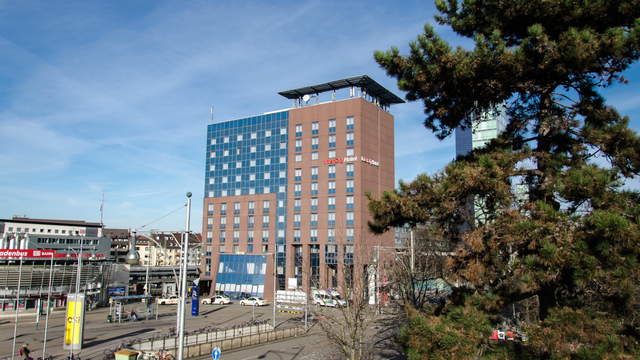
17, 309
185, 252
46, 321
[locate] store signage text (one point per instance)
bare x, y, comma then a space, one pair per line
351, 159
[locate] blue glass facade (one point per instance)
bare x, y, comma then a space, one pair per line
257, 144
246, 157
241, 275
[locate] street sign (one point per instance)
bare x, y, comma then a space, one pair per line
215, 353
195, 300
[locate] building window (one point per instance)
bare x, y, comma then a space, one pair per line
250, 236
223, 209
331, 202
250, 221
297, 174
313, 235
331, 219
283, 159
238, 178
331, 235
297, 189
254, 136
226, 139
314, 155
297, 205
314, 188
314, 204
213, 141
349, 234
298, 130
267, 161
236, 236
314, 173
331, 185
222, 249
223, 236
315, 127
296, 220
350, 152
283, 131
265, 235
350, 138
349, 170
250, 248
236, 221
332, 154
239, 138
238, 164
332, 171
282, 174
223, 193
314, 143
267, 147
210, 209
223, 222
267, 176
332, 125
267, 133
298, 158
350, 122
296, 235
332, 141
252, 177
283, 146
225, 153
252, 163
349, 186
265, 220
225, 166
350, 202
298, 145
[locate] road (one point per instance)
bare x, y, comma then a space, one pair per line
100, 335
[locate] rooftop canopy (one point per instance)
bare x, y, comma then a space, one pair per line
364, 82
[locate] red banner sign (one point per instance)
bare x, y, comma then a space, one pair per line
29, 253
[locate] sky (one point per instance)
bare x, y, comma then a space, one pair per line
113, 97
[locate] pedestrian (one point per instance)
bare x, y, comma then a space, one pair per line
24, 352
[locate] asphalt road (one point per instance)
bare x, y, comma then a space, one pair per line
100, 336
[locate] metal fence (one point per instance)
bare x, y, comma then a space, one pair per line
201, 336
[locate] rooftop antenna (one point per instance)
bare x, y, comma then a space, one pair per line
102, 209
211, 112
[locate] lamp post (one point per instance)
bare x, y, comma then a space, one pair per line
183, 287
46, 321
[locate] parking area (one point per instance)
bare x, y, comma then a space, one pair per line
99, 335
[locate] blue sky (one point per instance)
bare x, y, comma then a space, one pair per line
114, 96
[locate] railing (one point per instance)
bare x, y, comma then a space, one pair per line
202, 341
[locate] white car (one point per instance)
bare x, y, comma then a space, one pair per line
218, 300
253, 301
324, 300
169, 300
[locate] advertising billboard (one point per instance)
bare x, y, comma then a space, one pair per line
74, 324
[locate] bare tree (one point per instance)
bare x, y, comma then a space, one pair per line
349, 326
413, 267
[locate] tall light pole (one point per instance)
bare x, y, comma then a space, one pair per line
46, 322
183, 288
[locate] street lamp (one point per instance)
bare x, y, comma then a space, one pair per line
183, 288
132, 257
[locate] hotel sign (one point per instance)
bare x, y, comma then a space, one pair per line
350, 159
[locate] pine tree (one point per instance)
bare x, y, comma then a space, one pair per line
574, 243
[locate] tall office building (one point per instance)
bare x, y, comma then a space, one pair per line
291, 185
485, 127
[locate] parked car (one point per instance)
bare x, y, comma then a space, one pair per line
322, 298
167, 300
253, 301
218, 300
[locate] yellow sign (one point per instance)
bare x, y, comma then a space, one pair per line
74, 324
